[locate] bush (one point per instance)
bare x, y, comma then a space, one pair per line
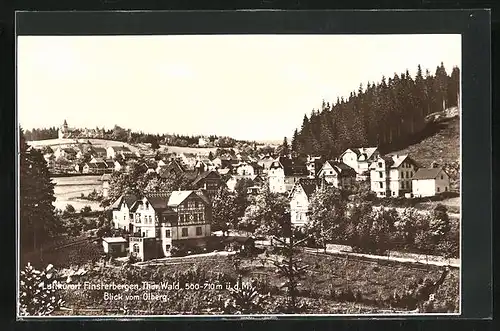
86, 210
35, 298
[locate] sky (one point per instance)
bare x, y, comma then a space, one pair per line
251, 87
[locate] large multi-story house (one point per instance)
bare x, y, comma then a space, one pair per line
299, 201
427, 182
360, 159
161, 221
337, 174
391, 175
276, 176
284, 173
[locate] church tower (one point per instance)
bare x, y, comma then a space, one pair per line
63, 130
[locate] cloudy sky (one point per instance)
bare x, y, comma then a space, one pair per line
246, 86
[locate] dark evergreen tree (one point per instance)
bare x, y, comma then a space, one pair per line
38, 223
386, 114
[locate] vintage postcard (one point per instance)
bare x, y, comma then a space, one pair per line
229, 175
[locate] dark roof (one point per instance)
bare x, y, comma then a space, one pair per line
308, 185
99, 149
427, 173
341, 168
121, 148
204, 175
129, 199
157, 201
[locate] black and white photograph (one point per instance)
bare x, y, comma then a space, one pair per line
227, 175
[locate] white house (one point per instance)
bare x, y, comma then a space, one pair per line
114, 151
299, 201
427, 182
121, 212
391, 175
360, 159
337, 174
276, 177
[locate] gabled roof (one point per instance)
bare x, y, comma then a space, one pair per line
427, 173
340, 168
177, 197
158, 202
366, 151
399, 159
203, 196
308, 185
129, 199
204, 175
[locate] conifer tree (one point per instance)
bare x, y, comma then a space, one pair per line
38, 222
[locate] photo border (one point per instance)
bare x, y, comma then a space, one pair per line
473, 25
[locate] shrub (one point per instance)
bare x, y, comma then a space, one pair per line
86, 210
35, 296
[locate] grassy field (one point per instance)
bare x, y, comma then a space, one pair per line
442, 146
96, 142
192, 150
69, 189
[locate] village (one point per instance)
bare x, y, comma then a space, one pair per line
159, 221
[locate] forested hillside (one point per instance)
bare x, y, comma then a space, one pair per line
390, 114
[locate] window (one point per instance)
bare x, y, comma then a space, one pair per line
184, 232
441, 176
135, 248
381, 185
411, 173
198, 231
393, 193
380, 164
116, 217
150, 219
446, 188
167, 233
167, 247
438, 189
381, 174
196, 204
407, 175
